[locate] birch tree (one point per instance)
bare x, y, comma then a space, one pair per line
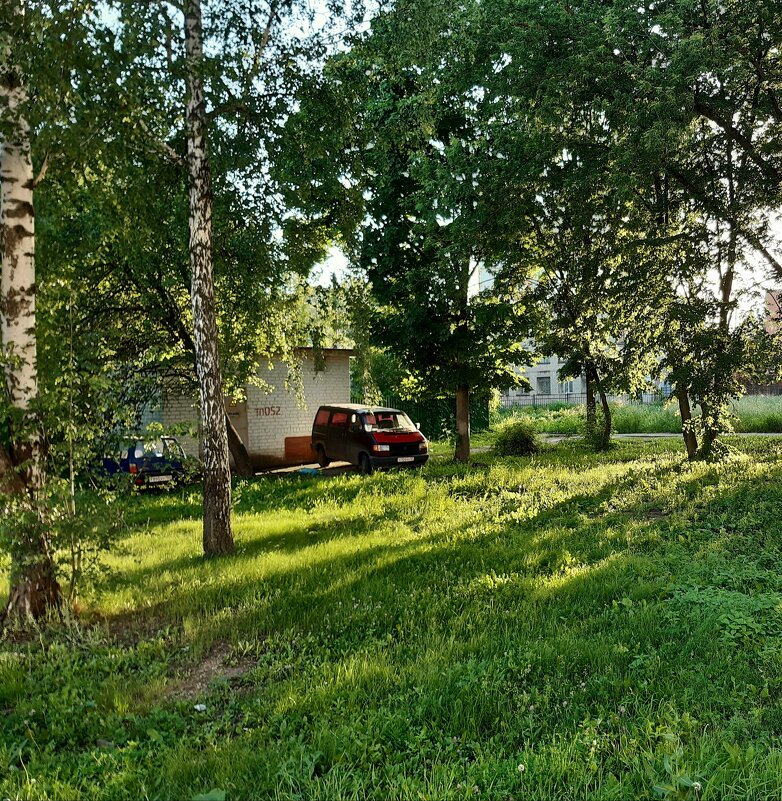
218, 537
34, 588
233, 72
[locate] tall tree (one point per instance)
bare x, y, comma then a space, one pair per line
683, 102
237, 69
34, 588
217, 534
399, 175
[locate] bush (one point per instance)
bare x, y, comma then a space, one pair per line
516, 438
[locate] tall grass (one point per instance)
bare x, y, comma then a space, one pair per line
753, 414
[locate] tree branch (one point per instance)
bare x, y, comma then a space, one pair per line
44, 167
162, 146
746, 143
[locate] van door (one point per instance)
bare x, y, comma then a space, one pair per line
353, 444
338, 429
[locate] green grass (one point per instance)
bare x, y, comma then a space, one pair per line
612, 623
754, 414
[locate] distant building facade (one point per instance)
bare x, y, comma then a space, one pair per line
543, 376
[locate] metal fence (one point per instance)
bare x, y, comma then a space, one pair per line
575, 399
764, 389
579, 398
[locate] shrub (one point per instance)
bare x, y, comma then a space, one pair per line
516, 438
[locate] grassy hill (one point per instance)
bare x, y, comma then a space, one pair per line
568, 626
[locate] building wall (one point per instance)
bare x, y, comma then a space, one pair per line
178, 409
544, 374
272, 418
279, 423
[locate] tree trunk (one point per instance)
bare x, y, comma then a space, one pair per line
709, 433
605, 439
685, 412
591, 407
462, 424
218, 537
243, 465
33, 589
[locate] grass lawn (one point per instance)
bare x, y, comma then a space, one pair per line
753, 414
568, 626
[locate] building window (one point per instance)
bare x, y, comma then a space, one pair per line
566, 387
544, 385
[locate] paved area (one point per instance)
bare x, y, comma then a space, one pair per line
334, 469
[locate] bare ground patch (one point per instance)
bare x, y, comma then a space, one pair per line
213, 667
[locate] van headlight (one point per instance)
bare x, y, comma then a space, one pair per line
381, 448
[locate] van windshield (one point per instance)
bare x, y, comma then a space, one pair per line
387, 421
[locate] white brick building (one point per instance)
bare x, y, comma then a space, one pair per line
275, 426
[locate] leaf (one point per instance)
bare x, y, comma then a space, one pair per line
212, 795
154, 735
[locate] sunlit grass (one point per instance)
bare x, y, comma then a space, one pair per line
610, 622
753, 414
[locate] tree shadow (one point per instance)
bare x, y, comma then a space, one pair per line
543, 604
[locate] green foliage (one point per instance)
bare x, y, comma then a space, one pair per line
420, 232
516, 438
80, 528
711, 363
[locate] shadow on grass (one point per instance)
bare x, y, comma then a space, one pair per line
305, 560
534, 624
316, 563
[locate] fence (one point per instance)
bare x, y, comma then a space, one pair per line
579, 398
575, 399
764, 389
437, 417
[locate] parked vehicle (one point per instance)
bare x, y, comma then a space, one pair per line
152, 463
368, 437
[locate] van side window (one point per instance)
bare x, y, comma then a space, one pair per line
339, 419
322, 417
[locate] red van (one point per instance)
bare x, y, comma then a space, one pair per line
368, 437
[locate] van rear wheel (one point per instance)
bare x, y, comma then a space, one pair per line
323, 460
364, 464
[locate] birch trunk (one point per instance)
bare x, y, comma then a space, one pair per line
218, 537
33, 588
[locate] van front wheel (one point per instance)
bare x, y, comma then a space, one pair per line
365, 465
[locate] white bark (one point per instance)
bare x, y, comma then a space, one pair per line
218, 537
33, 588
18, 231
